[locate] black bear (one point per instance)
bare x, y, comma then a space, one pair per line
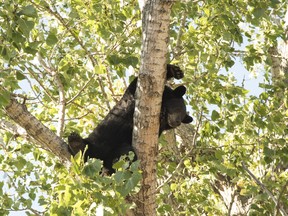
113, 136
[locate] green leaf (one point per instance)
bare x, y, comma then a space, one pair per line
132, 183
131, 60
5, 53
42, 201
230, 125
51, 39
29, 11
74, 14
67, 196
119, 176
119, 164
134, 167
25, 26
215, 115
29, 50
114, 59
77, 162
187, 163
78, 158
239, 119
258, 12
219, 154
1, 187
99, 69
173, 186
228, 64
17, 37
20, 76
32, 194
92, 168
20, 163
268, 151
5, 98
277, 117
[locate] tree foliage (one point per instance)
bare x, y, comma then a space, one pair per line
70, 61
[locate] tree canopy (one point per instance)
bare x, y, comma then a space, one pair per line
67, 62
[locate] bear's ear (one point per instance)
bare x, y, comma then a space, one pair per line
187, 119
180, 91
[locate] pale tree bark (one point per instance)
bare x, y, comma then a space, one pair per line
12, 128
39, 132
279, 58
155, 27
279, 67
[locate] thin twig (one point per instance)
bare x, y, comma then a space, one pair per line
81, 90
62, 100
263, 188
40, 83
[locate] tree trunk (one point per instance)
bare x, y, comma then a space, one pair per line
279, 58
155, 22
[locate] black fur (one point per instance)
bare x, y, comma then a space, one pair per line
113, 136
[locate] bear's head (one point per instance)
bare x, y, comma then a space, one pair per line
173, 110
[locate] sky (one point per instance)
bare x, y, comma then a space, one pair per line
251, 81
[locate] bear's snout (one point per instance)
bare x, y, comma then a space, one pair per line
174, 121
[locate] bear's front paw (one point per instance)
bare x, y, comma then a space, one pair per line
174, 71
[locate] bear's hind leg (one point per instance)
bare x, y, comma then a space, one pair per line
75, 143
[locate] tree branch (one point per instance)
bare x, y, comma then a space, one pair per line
34, 128
12, 128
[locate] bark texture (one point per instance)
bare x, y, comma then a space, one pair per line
155, 26
34, 128
279, 58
